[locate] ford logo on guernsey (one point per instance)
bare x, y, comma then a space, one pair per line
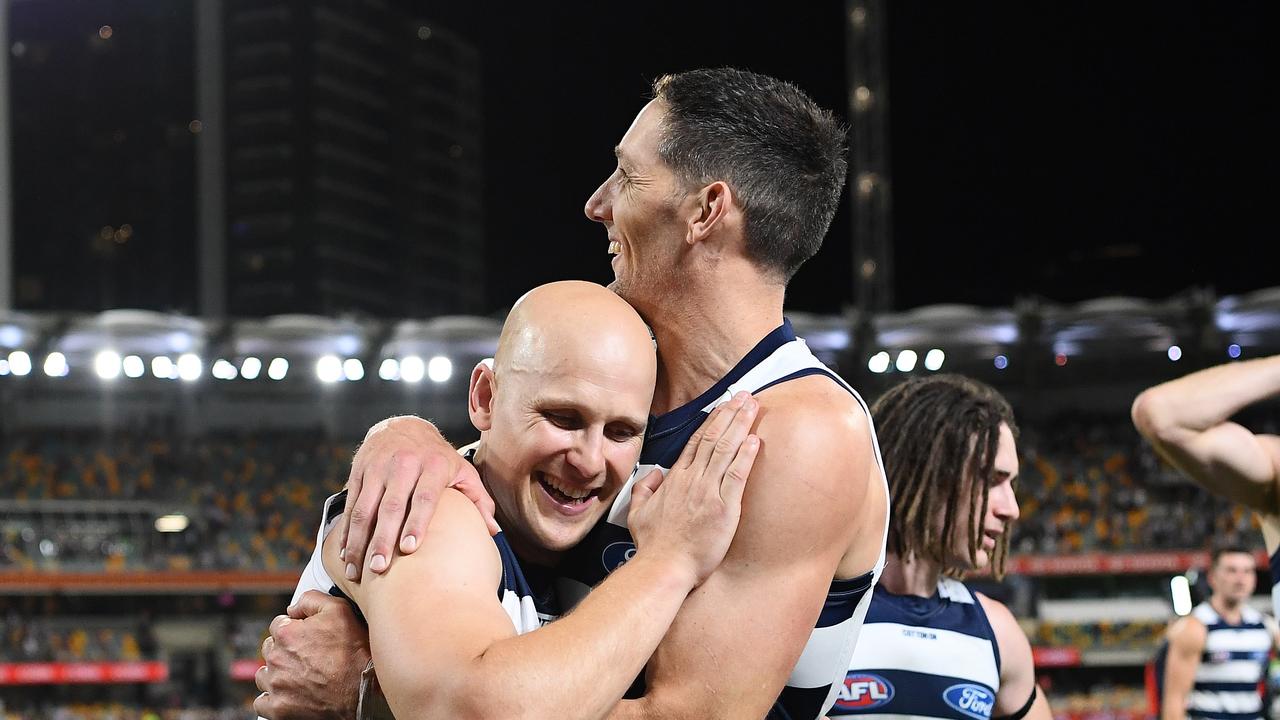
972, 700
617, 553
864, 691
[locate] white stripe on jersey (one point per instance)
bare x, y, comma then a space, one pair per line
1246, 639
944, 653
1229, 702
1231, 671
893, 716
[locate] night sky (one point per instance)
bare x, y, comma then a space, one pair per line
1063, 150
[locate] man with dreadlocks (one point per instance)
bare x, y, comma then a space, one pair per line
931, 647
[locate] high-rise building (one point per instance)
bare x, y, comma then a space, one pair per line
353, 161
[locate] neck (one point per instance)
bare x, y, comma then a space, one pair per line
1228, 610
910, 577
711, 326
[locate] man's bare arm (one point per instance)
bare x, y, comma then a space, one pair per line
1187, 421
1017, 668
738, 637
1186, 643
444, 647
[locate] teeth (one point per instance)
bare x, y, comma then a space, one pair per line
575, 493
615, 247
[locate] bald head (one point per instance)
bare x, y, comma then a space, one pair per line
572, 326
562, 412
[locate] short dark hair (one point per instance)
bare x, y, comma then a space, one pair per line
934, 432
782, 154
1228, 549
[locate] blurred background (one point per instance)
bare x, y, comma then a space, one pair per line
235, 233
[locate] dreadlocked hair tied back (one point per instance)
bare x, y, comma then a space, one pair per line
938, 437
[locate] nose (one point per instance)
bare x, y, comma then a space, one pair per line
1004, 502
598, 207
586, 456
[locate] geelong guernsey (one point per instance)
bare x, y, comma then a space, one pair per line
1233, 663
918, 657
817, 677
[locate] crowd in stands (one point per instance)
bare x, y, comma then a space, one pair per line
1086, 485
252, 501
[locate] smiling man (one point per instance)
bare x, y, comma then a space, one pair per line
726, 183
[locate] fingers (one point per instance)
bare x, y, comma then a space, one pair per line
725, 447
717, 425
735, 477
355, 481
433, 475
312, 602
467, 481
360, 515
645, 487
263, 706
260, 679
278, 623
403, 475
715, 419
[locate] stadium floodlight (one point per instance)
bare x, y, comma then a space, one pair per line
278, 368
389, 369
329, 369
133, 366
189, 367
1001, 362
1233, 351
879, 363
55, 365
933, 360
353, 369
4, 366
176, 522
19, 363
1175, 353
162, 367
1180, 589
107, 364
250, 368
440, 369
412, 369
223, 370
906, 361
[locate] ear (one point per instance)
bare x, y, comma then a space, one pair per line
715, 202
480, 397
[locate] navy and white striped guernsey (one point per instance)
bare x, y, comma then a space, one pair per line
527, 610
917, 657
1232, 664
816, 678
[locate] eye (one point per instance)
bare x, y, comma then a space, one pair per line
562, 420
621, 433
622, 176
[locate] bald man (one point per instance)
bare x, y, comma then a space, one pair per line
561, 414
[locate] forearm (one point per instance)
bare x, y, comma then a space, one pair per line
1203, 399
579, 666
1174, 706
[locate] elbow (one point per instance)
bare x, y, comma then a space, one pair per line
1151, 417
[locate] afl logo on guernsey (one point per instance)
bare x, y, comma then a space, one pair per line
864, 691
972, 700
617, 553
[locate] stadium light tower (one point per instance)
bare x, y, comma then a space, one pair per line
869, 187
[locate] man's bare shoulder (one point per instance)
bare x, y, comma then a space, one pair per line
815, 425
1187, 632
457, 530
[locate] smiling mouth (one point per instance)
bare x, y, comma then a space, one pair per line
578, 498
615, 247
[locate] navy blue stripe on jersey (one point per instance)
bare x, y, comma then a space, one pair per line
1223, 625
903, 692
795, 376
931, 613
1227, 686
1275, 567
995, 646
1227, 655
843, 598
1207, 715
670, 422
797, 703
